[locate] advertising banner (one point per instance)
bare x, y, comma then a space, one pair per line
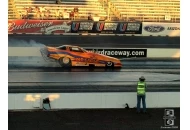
106, 27
61, 26
39, 26
162, 29
121, 53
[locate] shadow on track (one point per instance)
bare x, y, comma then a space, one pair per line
60, 69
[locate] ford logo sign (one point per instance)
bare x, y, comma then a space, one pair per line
154, 28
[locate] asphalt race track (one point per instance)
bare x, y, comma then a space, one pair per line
133, 63
33, 75
24, 77
30, 71
95, 41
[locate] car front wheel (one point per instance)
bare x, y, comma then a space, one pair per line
65, 62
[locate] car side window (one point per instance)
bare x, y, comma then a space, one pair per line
63, 48
75, 49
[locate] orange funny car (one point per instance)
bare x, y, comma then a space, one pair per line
68, 56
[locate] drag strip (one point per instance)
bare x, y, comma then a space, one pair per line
29, 73
90, 87
31, 63
69, 77
163, 75
86, 69
61, 82
95, 41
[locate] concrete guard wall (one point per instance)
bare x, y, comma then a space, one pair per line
91, 100
151, 52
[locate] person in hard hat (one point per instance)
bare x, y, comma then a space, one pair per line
141, 94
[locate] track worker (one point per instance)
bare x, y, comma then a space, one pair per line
141, 94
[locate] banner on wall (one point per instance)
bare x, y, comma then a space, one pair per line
39, 26
106, 27
61, 26
120, 53
162, 29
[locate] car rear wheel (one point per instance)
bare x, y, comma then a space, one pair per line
109, 64
65, 62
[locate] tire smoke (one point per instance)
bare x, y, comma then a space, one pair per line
27, 61
23, 43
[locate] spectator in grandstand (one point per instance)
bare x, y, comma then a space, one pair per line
38, 14
25, 15
42, 9
47, 14
36, 9
57, 14
132, 20
76, 12
76, 9
60, 14
65, 14
42, 14
21, 14
141, 94
29, 9
58, 2
72, 15
89, 16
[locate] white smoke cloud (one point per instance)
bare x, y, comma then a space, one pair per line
30, 62
23, 43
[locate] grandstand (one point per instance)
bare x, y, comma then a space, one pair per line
110, 10
147, 10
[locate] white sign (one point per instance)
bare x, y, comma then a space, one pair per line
133, 26
64, 27
162, 29
167, 17
66, 15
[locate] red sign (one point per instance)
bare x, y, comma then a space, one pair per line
39, 26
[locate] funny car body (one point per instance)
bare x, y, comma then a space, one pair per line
69, 56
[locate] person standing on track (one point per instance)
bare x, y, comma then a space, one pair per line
141, 94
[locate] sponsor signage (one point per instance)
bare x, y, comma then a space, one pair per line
121, 53
162, 29
107, 27
39, 26
62, 26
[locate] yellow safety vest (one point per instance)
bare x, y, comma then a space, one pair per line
141, 88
